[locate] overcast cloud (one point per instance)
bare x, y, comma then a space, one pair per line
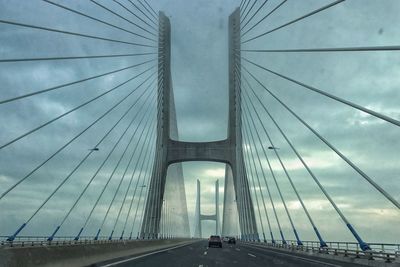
200, 79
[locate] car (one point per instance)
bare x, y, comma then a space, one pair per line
225, 239
215, 241
232, 240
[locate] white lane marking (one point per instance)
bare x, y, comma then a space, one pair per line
298, 257
251, 255
201, 265
238, 249
142, 256
205, 252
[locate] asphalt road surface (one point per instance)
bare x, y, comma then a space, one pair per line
199, 255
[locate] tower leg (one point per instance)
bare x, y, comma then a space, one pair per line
198, 232
217, 231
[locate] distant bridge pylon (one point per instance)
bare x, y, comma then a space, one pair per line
199, 217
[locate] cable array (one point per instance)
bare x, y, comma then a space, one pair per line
120, 119
256, 114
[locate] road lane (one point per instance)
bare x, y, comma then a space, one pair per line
199, 255
291, 259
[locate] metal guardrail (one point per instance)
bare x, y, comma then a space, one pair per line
381, 247
25, 241
345, 249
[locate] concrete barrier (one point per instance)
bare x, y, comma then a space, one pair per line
81, 254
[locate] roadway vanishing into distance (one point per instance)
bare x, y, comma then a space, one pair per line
242, 254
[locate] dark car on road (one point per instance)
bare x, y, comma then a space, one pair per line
215, 241
232, 240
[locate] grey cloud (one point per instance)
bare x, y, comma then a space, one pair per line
200, 77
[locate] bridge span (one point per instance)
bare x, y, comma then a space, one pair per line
191, 252
97, 99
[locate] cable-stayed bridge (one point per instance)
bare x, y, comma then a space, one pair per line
91, 158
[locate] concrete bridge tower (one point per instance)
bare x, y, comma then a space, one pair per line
228, 151
207, 217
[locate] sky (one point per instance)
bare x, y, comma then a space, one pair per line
200, 78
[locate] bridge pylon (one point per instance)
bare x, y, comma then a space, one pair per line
228, 151
209, 217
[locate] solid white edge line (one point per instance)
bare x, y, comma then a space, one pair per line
294, 256
144, 255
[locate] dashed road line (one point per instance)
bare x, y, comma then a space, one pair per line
251, 255
294, 256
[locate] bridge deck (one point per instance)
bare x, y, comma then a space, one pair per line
198, 254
